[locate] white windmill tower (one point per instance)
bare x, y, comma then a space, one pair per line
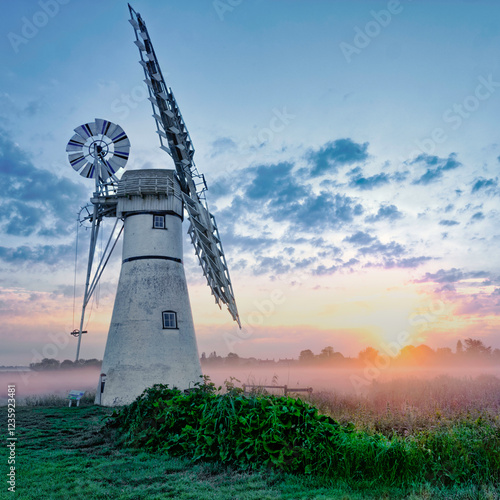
151, 337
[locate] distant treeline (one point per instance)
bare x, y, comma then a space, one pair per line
54, 364
471, 351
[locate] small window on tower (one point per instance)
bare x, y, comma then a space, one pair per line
169, 320
158, 222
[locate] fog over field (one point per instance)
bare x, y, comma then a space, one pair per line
342, 380
345, 381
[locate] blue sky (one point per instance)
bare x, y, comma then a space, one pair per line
351, 151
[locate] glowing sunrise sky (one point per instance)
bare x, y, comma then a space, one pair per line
351, 150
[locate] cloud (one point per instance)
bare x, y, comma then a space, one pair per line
323, 270
304, 263
222, 186
478, 304
388, 250
328, 251
435, 167
385, 212
400, 176
391, 255
273, 265
452, 275
276, 193
46, 254
246, 242
447, 222
360, 238
8, 107
282, 205
368, 183
334, 154
222, 145
443, 276
275, 182
350, 263
406, 263
323, 210
486, 184
34, 201
477, 216
21, 220
32, 109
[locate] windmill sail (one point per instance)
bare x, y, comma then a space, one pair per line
175, 140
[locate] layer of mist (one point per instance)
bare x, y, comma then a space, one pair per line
345, 381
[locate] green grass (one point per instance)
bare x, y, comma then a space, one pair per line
62, 453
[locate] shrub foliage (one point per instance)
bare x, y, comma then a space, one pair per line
290, 435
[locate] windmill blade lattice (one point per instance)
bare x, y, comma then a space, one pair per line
100, 148
172, 129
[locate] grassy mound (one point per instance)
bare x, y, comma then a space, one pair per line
288, 434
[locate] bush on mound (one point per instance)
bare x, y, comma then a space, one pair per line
259, 430
288, 434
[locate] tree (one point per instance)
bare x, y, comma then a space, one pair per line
91, 362
420, 355
49, 364
406, 352
423, 354
232, 358
213, 358
45, 364
368, 355
306, 356
475, 347
327, 352
460, 347
444, 352
328, 356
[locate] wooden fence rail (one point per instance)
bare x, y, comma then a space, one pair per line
286, 390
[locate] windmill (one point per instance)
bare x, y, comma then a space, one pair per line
151, 337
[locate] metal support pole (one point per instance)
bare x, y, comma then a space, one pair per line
93, 240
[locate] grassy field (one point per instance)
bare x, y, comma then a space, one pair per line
406, 406
62, 452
